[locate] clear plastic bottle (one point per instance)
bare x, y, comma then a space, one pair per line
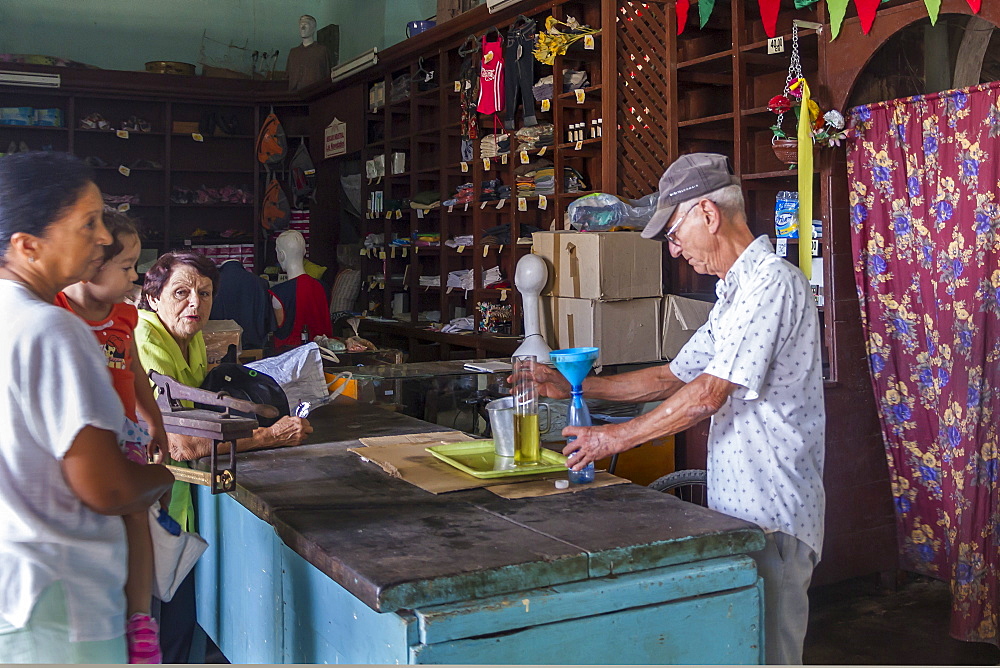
578, 415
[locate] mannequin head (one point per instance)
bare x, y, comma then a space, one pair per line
291, 249
307, 29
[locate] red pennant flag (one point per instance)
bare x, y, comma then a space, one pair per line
866, 12
769, 14
682, 14
975, 4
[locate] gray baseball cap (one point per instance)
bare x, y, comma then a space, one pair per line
690, 176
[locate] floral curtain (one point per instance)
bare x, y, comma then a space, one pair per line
925, 181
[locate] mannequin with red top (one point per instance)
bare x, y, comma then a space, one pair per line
300, 306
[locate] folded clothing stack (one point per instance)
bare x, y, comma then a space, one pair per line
464, 194
374, 240
545, 180
426, 200
460, 240
433, 281
526, 178
461, 279
426, 238
534, 137
117, 200
493, 190
492, 277
572, 79
493, 145
466, 324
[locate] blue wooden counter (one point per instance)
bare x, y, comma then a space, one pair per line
320, 557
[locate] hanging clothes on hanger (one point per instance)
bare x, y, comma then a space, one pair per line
491, 74
520, 61
468, 79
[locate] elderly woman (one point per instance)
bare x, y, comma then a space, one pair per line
63, 478
175, 305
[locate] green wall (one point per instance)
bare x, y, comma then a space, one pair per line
124, 34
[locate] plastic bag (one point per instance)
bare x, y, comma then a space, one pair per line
174, 552
601, 211
299, 372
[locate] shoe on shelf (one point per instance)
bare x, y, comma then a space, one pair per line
94, 161
141, 163
94, 122
23, 147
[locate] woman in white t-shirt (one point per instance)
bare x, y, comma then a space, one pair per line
64, 482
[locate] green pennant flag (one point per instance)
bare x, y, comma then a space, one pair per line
933, 7
705, 8
802, 4
837, 10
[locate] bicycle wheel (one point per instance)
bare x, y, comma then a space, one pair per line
689, 485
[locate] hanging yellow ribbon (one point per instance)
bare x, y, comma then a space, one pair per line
805, 182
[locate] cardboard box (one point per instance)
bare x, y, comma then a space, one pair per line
600, 265
625, 331
681, 319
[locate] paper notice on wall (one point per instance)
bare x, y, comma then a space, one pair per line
335, 139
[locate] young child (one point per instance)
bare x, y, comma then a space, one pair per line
99, 301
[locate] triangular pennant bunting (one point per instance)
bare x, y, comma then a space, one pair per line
866, 12
769, 14
933, 7
682, 14
837, 9
975, 4
705, 8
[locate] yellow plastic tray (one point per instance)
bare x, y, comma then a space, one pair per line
478, 459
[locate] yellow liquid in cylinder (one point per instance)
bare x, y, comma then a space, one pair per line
527, 442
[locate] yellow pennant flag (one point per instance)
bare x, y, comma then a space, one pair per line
805, 183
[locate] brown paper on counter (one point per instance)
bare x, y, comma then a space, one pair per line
401, 458
525, 490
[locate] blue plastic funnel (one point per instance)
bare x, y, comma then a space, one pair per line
574, 363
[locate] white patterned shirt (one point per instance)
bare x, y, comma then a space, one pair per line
766, 444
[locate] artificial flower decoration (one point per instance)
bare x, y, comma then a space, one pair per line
827, 129
779, 104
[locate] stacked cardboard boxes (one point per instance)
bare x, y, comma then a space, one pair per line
604, 290
219, 253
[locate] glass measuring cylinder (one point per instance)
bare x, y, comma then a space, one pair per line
527, 438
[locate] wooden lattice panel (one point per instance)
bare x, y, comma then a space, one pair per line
643, 129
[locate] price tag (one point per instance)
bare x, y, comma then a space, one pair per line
776, 45
405, 253
581, 95
468, 85
486, 250
781, 247
522, 204
458, 86
451, 207
588, 42
381, 285
123, 170
466, 206
388, 215
122, 208
503, 295
500, 251
486, 164
361, 252
542, 151
461, 249
579, 145
381, 255
420, 213
187, 242
370, 252
543, 202
546, 104
503, 159
121, 134
501, 203
524, 158
815, 247
488, 57
416, 250
197, 136
464, 166
483, 205
310, 172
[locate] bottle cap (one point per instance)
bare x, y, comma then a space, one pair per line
562, 484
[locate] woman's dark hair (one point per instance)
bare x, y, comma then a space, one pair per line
119, 225
35, 189
158, 275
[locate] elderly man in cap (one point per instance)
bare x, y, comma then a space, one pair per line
755, 368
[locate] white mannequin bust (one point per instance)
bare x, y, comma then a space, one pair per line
307, 29
529, 279
291, 248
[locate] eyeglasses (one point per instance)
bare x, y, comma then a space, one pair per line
670, 235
